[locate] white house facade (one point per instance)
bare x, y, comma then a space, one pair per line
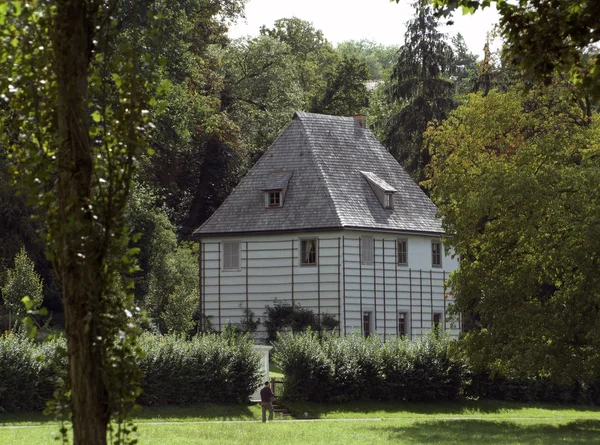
328, 219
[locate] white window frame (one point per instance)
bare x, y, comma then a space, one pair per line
231, 251
273, 199
398, 242
304, 261
367, 249
436, 254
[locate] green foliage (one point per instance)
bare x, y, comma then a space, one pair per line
544, 37
286, 317
341, 369
421, 83
209, 368
516, 179
28, 372
378, 58
22, 281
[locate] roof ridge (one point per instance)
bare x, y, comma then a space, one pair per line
324, 177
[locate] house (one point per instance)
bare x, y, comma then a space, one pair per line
328, 219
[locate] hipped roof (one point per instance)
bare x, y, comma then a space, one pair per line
327, 190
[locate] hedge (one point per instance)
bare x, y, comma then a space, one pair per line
338, 369
210, 368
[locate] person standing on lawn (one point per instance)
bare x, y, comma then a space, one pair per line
266, 397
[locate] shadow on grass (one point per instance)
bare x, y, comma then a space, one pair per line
201, 412
378, 408
479, 431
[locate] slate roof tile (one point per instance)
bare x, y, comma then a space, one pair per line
326, 190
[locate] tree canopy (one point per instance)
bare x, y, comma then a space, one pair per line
517, 182
545, 36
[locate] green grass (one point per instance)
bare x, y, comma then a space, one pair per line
437, 424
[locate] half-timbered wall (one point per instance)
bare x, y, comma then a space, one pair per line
340, 283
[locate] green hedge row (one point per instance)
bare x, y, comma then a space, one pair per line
210, 368
28, 372
342, 369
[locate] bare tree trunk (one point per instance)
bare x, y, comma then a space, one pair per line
77, 262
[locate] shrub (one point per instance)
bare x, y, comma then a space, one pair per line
348, 368
27, 372
209, 368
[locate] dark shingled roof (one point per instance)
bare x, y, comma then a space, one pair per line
327, 189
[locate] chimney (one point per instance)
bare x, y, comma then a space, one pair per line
361, 120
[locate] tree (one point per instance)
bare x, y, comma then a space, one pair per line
22, 281
262, 91
379, 58
75, 153
421, 82
546, 36
346, 92
466, 65
517, 181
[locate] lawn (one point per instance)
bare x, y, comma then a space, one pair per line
369, 423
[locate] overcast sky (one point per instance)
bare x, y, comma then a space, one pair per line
377, 20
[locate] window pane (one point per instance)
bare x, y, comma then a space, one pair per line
308, 253
402, 320
231, 255
436, 254
366, 323
402, 252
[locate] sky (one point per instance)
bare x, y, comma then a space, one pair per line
377, 20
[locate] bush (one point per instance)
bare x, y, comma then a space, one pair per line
284, 317
341, 369
209, 368
27, 372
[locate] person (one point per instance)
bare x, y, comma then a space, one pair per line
266, 397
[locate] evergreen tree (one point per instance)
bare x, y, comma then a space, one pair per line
420, 81
22, 281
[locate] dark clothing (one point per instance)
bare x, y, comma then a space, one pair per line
266, 395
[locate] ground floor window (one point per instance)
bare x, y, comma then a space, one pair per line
437, 321
402, 324
366, 323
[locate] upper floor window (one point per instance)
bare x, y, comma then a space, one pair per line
366, 249
388, 201
231, 255
273, 198
308, 252
402, 250
436, 254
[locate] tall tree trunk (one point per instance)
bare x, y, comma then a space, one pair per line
78, 265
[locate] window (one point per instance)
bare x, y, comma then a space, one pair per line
231, 255
402, 324
436, 254
308, 252
402, 246
366, 250
437, 321
366, 323
388, 201
274, 199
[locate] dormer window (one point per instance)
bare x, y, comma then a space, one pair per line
383, 191
388, 201
275, 189
274, 199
